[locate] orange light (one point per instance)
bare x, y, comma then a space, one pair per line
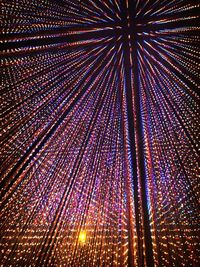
82, 237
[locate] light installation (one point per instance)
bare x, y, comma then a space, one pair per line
100, 133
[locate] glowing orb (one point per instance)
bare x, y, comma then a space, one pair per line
82, 237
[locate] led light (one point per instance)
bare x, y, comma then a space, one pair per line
82, 237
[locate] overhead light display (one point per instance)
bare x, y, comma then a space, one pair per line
100, 133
